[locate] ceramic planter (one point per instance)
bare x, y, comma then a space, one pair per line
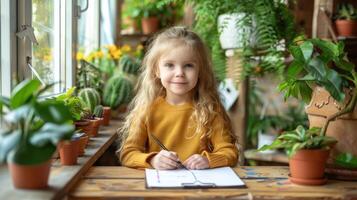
231, 31
150, 25
106, 116
30, 176
307, 167
346, 28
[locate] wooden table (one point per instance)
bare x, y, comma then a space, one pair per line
121, 182
62, 178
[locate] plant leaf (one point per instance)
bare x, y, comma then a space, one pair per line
8, 141
51, 133
307, 49
53, 111
23, 92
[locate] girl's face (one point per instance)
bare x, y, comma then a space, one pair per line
178, 71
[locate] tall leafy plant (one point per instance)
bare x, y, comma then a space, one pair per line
322, 63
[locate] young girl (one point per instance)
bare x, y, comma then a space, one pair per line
178, 103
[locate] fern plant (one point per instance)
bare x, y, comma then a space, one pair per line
270, 20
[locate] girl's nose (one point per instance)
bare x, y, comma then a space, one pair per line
179, 71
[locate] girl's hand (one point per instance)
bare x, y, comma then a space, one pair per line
196, 161
165, 160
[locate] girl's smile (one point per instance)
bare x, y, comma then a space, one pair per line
178, 72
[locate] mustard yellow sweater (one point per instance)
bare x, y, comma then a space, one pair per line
172, 125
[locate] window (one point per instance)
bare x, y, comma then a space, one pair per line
51, 59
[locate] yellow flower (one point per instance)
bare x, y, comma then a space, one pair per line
126, 48
139, 47
116, 54
80, 56
112, 48
90, 57
47, 57
99, 54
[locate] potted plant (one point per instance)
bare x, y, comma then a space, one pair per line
308, 151
33, 128
256, 29
346, 20
321, 76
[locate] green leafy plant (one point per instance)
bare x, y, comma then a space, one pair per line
322, 63
300, 138
32, 125
74, 103
346, 11
168, 10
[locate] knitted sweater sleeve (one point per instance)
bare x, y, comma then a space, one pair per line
133, 153
225, 152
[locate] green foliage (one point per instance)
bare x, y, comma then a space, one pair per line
300, 138
128, 65
347, 160
270, 22
346, 11
33, 126
73, 103
318, 62
168, 11
118, 91
90, 97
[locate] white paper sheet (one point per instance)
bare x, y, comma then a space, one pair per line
218, 177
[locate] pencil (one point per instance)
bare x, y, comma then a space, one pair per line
162, 146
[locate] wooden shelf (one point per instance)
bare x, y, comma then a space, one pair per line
62, 178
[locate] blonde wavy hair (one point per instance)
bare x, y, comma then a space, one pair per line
206, 99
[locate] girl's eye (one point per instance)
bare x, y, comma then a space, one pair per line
168, 65
189, 65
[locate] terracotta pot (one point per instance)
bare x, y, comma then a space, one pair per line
346, 28
83, 141
68, 151
106, 115
83, 125
309, 163
30, 176
150, 25
101, 120
343, 129
95, 123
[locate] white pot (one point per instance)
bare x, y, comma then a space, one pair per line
231, 30
265, 139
